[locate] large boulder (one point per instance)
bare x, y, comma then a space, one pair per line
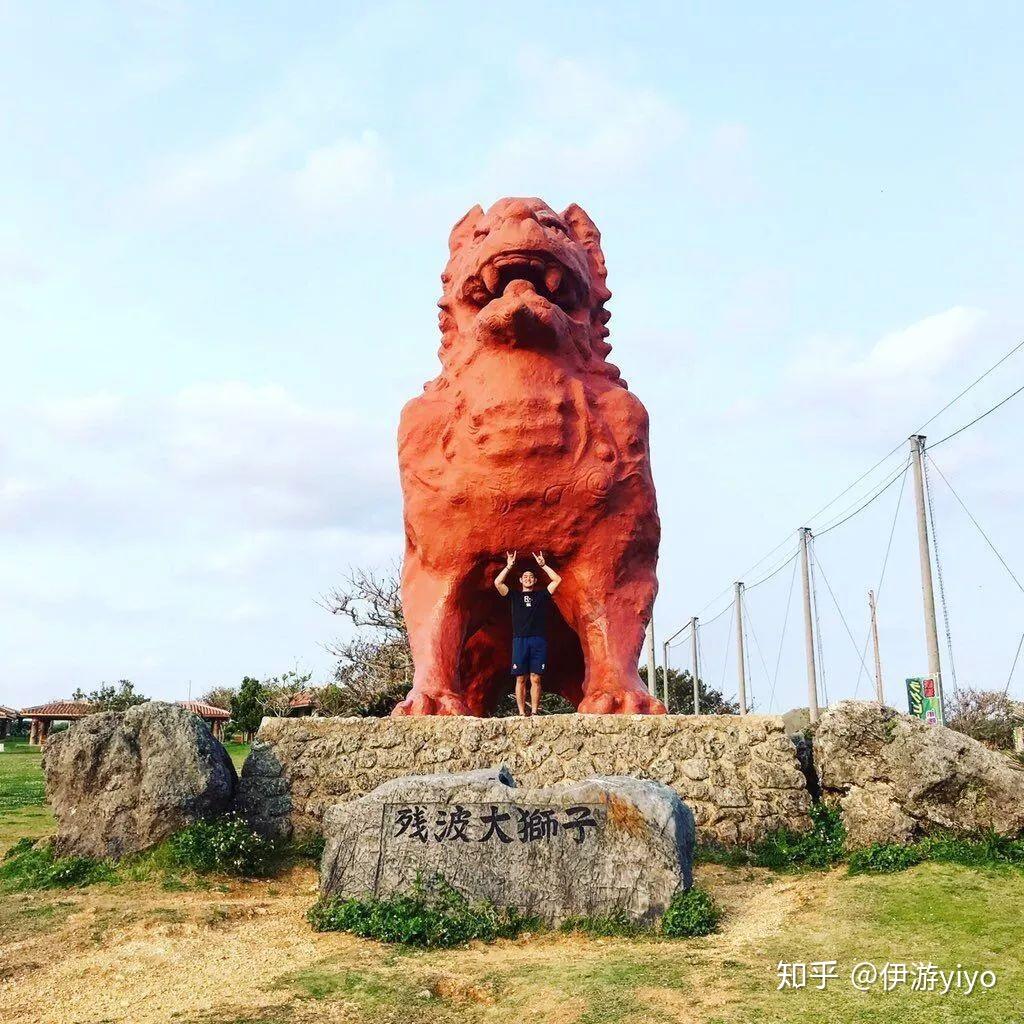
119, 783
897, 778
593, 848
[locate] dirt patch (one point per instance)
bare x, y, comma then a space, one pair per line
139, 954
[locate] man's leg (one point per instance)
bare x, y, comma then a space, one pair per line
521, 694
534, 691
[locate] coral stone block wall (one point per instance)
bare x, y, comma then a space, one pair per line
740, 776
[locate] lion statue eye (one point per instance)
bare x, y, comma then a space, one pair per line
481, 233
556, 225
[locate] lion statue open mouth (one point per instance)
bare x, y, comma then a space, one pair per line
528, 440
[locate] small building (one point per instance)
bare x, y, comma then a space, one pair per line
302, 704
8, 718
214, 717
42, 716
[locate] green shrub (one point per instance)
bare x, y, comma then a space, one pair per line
28, 866
985, 850
692, 912
433, 915
609, 925
821, 847
226, 845
884, 858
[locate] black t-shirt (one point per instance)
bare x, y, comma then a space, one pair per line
530, 612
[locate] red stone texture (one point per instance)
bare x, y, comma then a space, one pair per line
528, 440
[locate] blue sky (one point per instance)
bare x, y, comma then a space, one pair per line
222, 232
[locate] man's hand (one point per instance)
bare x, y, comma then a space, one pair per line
499, 580
552, 575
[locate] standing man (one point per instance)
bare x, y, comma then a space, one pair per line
530, 609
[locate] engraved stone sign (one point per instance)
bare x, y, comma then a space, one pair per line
592, 848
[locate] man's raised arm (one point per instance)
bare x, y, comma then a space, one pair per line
499, 580
552, 575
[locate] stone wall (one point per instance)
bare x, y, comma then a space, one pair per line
740, 776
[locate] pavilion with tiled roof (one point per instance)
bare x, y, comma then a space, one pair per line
8, 716
303, 703
213, 716
42, 716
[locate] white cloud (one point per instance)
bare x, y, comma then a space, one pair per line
337, 175
83, 416
227, 456
580, 122
240, 159
275, 165
902, 366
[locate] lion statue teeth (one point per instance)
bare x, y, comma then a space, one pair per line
529, 440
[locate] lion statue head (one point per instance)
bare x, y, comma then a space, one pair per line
522, 275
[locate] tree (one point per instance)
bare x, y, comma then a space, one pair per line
248, 706
680, 694
278, 691
985, 715
111, 697
219, 697
374, 669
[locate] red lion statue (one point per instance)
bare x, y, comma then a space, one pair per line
528, 440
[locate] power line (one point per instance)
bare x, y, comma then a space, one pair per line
774, 572
881, 575
988, 540
977, 419
1013, 667
782, 638
715, 618
874, 497
956, 398
757, 643
725, 664
835, 601
930, 419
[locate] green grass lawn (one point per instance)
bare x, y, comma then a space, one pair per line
238, 752
935, 913
943, 914
23, 810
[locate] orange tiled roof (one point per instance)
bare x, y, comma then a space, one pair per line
197, 707
59, 709
303, 699
9, 712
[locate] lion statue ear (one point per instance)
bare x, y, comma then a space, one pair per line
464, 228
584, 231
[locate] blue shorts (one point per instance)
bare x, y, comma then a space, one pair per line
529, 655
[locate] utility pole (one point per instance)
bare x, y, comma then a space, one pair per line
652, 673
693, 665
879, 692
664, 669
741, 666
930, 630
812, 673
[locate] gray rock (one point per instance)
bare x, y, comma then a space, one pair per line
897, 778
592, 848
119, 783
